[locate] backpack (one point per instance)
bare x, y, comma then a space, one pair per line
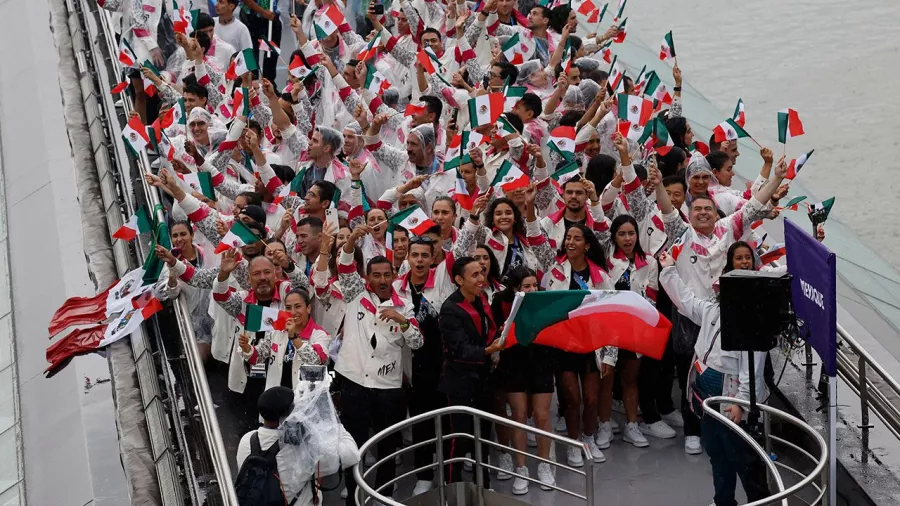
257, 482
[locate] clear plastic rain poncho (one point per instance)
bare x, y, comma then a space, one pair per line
311, 434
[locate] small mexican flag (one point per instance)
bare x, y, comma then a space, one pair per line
818, 213
667, 48
149, 87
413, 219
606, 52
138, 223
485, 109
792, 204
179, 113
135, 135
789, 125
587, 7
797, 164
200, 182
238, 237
119, 88
240, 102
160, 141
635, 110
565, 173
269, 47
185, 20
461, 194
297, 68
654, 88
328, 22
412, 109
620, 35
375, 80
729, 130
774, 253
371, 48
457, 150
243, 62
509, 177
583, 321
657, 132
513, 50
562, 141
699, 147
739, 116
264, 319
616, 74
126, 54
504, 127
429, 60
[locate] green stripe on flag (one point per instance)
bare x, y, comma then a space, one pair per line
253, 318
565, 170
540, 310
206, 185
144, 223
398, 218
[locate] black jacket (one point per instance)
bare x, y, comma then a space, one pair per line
466, 330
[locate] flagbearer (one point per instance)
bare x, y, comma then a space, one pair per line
262, 18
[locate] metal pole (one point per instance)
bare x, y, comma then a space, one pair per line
767, 429
832, 441
439, 456
479, 477
589, 480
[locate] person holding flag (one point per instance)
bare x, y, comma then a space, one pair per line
262, 19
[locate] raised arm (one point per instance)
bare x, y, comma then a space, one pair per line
224, 294
351, 282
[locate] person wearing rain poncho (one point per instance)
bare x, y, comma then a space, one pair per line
281, 409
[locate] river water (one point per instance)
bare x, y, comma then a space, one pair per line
836, 62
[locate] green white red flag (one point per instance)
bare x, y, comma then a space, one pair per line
264, 319
789, 125
797, 164
620, 10
729, 130
565, 173
269, 47
126, 54
510, 177
185, 20
583, 321
244, 61
135, 135
621, 33
200, 182
236, 238
667, 48
138, 223
657, 132
413, 219
485, 109
514, 50
328, 21
371, 48
562, 141
739, 116
375, 80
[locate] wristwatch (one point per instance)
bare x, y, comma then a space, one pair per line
404, 326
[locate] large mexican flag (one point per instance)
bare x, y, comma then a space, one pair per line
582, 321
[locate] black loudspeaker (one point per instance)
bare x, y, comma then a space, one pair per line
755, 308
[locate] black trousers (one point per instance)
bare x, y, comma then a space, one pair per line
424, 397
259, 29
683, 365
364, 409
655, 385
458, 447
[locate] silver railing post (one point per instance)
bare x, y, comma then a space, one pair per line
479, 476
767, 429
439, 455
589, 480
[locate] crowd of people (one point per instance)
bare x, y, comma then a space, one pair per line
318, 167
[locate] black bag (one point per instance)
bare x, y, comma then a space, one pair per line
257, 482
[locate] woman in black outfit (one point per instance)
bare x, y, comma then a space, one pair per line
468, 332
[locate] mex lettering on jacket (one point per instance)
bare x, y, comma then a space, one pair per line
387, 368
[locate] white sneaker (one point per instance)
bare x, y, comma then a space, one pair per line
573, 457
560, 424
692, 445
468, 466
604, 435
422, 486
370, 460
658, 429
634, 436
506, 464
344, 493
615, 426
529, 437
674, 419
545, 476
520, 486
592, 446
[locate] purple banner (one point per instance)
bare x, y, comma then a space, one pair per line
814, 291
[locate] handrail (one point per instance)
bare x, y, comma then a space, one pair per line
219, 455
782, 494
477, 461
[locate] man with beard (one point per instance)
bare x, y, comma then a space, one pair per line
576, 193
379, 324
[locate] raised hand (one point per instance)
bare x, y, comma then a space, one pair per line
479, 205
356, 169
165, 255
767, 155
228, 262
666, 260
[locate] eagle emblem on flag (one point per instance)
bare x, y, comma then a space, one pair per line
634, 109
269, 322
132, 136
123, 321
635, 127
126, 289
508, 179
413, 220
483, 109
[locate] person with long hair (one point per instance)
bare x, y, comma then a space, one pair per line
490, 268
579, 265
525, 374
631, 269
504, 232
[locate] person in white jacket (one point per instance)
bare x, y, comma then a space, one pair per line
720, 373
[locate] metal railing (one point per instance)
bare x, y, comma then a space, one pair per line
854, 370
219, 456
807, 480
478, 460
